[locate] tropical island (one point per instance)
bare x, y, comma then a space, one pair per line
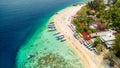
93, 32
98, 23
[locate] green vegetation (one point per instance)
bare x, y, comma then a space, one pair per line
116, 46
96, 5
99, 12
97, 41
111, 15
76, 22
82, 11
84, 20
100, 48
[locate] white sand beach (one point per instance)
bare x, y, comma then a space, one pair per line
62, 21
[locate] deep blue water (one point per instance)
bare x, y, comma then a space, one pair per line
19, 20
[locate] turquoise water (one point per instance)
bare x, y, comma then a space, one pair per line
48, 51
45, 44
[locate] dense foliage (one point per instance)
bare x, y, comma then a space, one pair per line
83, 19
96, 4
116, 46
97, 41
109, 14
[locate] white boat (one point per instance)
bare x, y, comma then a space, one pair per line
52, 29
51, 26
57, 33
30, 56
63, 39
60, 35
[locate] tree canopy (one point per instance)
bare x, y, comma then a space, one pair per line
97, 41
96, 4
116, 46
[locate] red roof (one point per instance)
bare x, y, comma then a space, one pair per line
81, 24
101, 26
86, 35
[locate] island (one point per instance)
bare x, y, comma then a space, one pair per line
92, 30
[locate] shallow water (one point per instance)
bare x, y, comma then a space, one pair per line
19, 20
47, 48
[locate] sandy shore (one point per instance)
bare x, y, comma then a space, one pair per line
62, 21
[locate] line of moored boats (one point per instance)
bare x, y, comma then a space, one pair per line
60, 36
51, 27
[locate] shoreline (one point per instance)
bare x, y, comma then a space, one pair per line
61, 21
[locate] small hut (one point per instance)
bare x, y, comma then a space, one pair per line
101, 26
81, 24
92, 11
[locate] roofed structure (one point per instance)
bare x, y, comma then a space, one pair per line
86, 35
107, 37
101, 26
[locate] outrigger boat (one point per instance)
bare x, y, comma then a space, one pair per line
57, 33
52, 29
30, 56
63, 39
51, 26
60, 35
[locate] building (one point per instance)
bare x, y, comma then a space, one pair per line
107, 37
86, 35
